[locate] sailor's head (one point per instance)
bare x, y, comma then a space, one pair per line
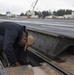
26, 40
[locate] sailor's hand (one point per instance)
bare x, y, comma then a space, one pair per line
8, 65
17, 64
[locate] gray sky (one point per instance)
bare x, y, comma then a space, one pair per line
18, 6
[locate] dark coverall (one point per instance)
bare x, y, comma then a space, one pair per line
10, 34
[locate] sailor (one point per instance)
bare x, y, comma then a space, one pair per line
13, 39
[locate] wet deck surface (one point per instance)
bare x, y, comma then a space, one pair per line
54, 26
29, 70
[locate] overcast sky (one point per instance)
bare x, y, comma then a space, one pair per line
18, 6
